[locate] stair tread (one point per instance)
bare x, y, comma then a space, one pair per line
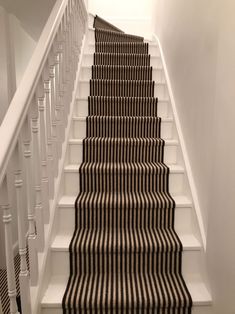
127, 66
86, 99
147, 81
173, 168
83, 118
62, 241
55, 291
92, 54
180, 201
168, 142
151, 43
92, 29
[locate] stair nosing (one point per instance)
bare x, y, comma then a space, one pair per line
78, 98
58, 304
152, 44
186, 247
83, 118
92, 54
79, 141
178, 204
154, 68
174, 168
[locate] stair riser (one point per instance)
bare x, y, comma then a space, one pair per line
78, 130
81, 108
190, 263
195, 310
183, 220
157, 74
71, 183
160, 90
153, 49
76, 152
88, 60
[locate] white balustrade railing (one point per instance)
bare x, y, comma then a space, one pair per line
32, 134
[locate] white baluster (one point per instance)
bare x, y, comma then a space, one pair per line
50, 158
54, 126
68, 61
57, 99
37, 177
73, 43
43, 151
24, 273
7, 218
62, 77
32, 239
73, 63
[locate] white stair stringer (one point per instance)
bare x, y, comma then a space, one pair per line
186, 223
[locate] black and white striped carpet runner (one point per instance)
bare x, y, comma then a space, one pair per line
125, 256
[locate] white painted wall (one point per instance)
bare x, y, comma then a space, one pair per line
198, 41
7, 64
133, 16
32, 14
24, 47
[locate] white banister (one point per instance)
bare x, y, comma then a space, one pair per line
32, 135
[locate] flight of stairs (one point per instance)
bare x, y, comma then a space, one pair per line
185, 219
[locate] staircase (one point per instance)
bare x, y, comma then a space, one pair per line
185, 222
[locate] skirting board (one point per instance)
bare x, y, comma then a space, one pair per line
183, 148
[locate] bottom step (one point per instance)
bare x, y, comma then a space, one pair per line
52, 300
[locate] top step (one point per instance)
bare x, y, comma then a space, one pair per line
98, 22
102, 35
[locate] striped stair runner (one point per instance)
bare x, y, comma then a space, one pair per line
125, 256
